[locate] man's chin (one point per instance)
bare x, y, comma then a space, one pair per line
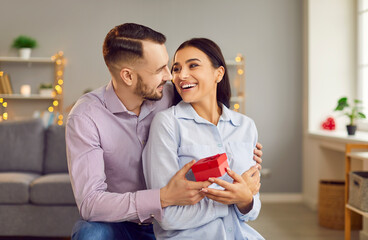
154, 98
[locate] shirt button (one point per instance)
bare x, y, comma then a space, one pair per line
152, 216
230, 229
219, 145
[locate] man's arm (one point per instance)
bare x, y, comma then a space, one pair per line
87, 174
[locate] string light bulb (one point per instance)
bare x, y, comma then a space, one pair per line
5, 104
51, 109
55, 103
5, 116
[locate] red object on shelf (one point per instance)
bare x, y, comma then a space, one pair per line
214, 166
329, 124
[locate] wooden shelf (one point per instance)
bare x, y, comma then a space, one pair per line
32, 96
236, 99
30, 60
232, 62
358, 155
354, 209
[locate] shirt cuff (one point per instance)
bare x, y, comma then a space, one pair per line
148, 204
246, 217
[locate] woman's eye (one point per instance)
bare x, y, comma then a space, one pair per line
193, 65
175, 69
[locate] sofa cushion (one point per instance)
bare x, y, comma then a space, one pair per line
55, 152
14, 187
52, 189
22, 146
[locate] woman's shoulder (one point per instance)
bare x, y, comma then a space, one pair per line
239, 118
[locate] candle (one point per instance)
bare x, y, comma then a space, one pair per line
25, 90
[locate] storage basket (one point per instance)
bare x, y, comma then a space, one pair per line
358, 190
331, 206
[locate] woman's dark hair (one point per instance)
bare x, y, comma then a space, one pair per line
124, 42
213, 52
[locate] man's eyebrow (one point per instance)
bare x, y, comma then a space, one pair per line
160, 68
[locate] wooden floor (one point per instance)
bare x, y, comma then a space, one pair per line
293, 221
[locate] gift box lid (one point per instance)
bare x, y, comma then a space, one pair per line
209, 162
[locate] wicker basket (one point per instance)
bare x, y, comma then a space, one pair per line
331, 206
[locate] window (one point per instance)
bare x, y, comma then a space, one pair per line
362, 90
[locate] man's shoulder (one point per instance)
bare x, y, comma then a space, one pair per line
89, 103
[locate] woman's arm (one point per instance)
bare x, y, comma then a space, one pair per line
160, 163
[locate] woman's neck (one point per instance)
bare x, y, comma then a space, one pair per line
208, 110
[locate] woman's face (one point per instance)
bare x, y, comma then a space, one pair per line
194, 76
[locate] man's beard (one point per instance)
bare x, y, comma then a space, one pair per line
146, 93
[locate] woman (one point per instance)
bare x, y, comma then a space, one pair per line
199, 126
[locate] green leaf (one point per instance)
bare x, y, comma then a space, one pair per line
357, 101
341, 104
361, 115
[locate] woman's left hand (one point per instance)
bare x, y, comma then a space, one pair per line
238, 192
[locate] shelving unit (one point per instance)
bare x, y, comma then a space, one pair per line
349, 155
236, 70
17, 106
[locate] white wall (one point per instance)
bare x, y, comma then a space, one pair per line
332, 58
267, 32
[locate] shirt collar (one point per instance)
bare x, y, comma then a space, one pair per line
114, 105
186, 111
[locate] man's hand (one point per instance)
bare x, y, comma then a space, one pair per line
180, 191
240, 192
258, 154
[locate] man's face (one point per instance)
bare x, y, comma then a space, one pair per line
153, 72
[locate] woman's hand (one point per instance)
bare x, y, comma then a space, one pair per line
240, 192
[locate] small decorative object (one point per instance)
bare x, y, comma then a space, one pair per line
329, 124
46, 89
25, 45
214, 166
353, 112
25, 90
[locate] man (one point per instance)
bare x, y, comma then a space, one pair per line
106, 133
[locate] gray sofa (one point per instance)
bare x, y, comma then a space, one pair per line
36, 197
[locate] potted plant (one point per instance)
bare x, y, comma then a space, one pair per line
46, 89
25, 45
353, 112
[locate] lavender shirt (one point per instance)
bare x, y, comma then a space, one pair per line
104, 147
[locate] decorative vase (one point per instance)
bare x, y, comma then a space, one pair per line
25, 53
351, 129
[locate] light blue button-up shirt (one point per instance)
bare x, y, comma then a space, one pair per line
179, 135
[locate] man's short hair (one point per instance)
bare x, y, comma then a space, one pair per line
124, 43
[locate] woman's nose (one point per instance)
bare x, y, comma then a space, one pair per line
183, 74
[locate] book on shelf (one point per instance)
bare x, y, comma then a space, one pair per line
9, 87
2, 91
5, 84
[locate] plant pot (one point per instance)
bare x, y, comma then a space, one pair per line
46, 92
25, 53
351, 129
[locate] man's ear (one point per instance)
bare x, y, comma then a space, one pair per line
220, 72
126, 76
